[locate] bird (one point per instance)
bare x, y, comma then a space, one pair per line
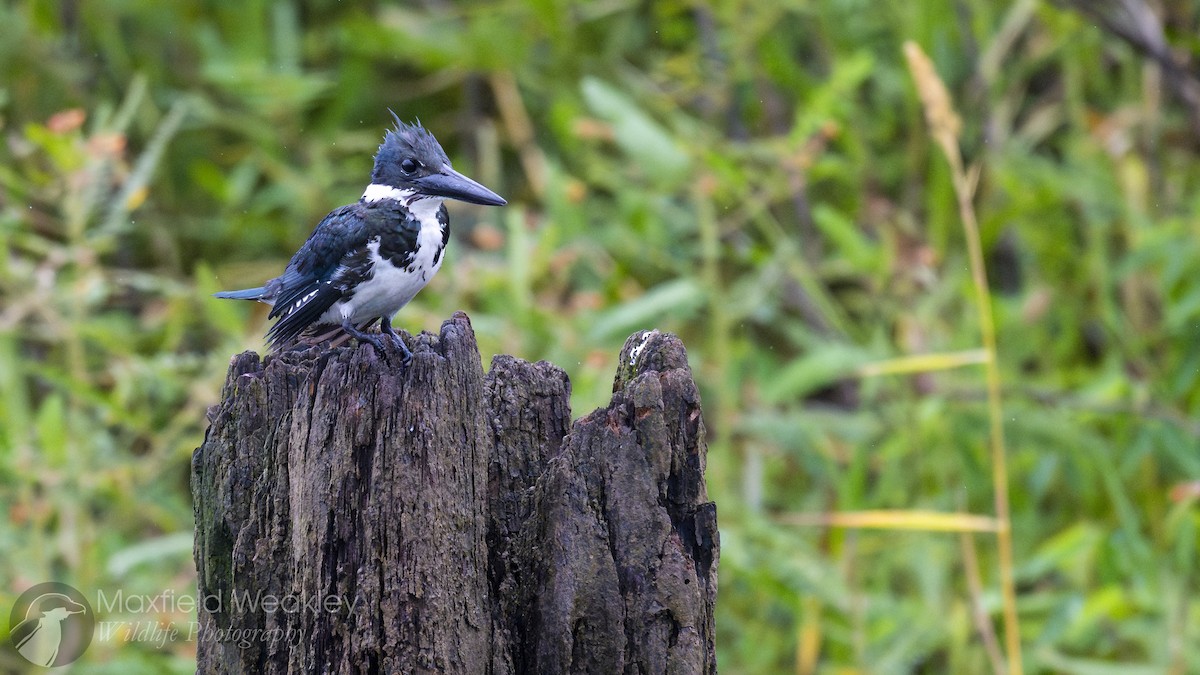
365, 261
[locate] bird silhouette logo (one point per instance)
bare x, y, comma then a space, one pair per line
51, 625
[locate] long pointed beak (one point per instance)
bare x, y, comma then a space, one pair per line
453, 185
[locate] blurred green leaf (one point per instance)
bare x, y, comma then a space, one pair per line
52, 431
677, 298
823, 366
152, 550
651, 149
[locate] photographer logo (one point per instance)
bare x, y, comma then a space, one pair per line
51, 625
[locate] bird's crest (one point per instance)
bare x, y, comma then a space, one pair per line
410, 140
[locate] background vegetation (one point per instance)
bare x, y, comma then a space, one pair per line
757, 177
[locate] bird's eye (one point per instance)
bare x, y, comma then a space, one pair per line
409, 166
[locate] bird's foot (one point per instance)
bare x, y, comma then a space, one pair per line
377, 341
373, 339
385, 328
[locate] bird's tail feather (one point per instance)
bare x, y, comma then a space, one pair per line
244, 294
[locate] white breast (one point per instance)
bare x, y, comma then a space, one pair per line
391, 287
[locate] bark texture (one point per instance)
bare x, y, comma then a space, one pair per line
352, 516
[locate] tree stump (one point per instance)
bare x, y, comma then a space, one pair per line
352, 516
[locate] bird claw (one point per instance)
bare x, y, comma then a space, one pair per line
378, 345
385, 328
406, 354
376, 340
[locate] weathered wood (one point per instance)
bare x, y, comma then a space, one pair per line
436, 519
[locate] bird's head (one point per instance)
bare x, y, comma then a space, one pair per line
411, 165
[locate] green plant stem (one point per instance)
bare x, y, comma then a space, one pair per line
964, 188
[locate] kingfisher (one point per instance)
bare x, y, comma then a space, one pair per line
365, 261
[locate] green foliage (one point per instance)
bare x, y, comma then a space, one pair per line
754, 176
